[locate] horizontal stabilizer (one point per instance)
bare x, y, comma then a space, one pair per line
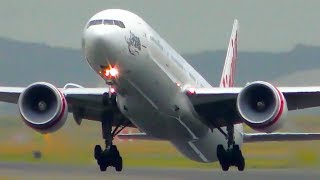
261, 137
137, 136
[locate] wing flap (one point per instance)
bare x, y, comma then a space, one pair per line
262, 137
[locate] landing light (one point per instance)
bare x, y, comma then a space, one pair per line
111, 72
114, 72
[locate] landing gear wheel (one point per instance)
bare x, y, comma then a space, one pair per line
223, 159
230, 157
97, 151
233, 155
225, 166
103, 167
241, 164
238, 158
118, 165
236, 148
220, 151
109, 156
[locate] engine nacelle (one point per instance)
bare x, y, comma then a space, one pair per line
262, 106
43, 107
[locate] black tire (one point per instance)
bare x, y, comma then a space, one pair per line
114, 151
225, 166
223, 158
236, 148
119, 165
97, 151
238, 158
241, 164
103, 167
226, 161
220, 151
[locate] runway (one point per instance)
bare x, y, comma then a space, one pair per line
43, 171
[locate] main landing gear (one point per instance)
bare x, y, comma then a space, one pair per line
110, 156
233, 155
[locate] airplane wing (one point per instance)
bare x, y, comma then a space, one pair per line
297, 97
84, 103
261, 137
223, 101
10, 94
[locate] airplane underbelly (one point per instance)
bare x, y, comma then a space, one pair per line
154, 103
153, 114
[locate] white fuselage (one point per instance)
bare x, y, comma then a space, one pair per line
151, 83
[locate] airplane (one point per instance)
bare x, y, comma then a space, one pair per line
149, 86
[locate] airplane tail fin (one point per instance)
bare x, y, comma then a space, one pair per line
227, 78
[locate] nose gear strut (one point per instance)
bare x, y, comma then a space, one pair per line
110, 156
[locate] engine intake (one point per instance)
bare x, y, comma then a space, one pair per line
43, 107
262, 106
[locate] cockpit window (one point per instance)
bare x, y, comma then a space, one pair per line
106, 22
98, 22
95, 22
119, 23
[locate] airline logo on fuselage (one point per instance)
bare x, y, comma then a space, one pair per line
134, 44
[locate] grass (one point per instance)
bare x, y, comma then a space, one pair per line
74, 144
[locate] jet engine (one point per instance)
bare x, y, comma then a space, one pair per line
43, 107
262, 106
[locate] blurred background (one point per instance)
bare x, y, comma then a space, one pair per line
40, 41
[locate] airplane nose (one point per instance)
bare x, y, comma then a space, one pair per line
101, 40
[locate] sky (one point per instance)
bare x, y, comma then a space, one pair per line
188, 26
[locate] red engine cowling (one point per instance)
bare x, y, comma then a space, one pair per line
262, 106
43, 107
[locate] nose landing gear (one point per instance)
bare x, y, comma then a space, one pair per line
110, 156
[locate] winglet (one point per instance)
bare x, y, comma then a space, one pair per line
227, 78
